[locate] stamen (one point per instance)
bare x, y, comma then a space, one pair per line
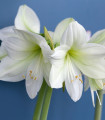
30, 74
72, 80
35, 78
79, 75
23, 76
81, 80
30, 71
31, 77
103, 83
76, 76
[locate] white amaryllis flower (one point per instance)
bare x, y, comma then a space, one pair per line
26, 19
73, 57
28, 58
95, 84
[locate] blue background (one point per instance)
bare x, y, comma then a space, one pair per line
14, 101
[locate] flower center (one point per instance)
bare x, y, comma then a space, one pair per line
73, 70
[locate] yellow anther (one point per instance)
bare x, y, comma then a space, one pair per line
31, 77
79, 75
81, 80
76, 76
72, 80
30, 71
23, 76
35, 78
103, 83
30, 74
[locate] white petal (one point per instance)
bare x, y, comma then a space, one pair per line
76, 33
15, 78
74, 90
57, 58
25, 44
6, 32
56, 76
98, 37
18, 48
59, 54
34, 80
27, 19
90, 60
3, 52
88, 34
61, 27
67, 38
11, 68
31, 37
95, 84
92, 94
46, 72
46, 50
86, 83
73, 81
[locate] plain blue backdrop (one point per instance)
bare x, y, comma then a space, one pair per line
14, 101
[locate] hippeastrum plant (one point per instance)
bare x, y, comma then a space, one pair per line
73, 57
27, 54
28, 57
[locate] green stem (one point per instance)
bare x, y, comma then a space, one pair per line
46, 103
43, 103
39, 103
98, 108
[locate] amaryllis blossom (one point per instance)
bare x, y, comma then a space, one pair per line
95, 84
24, 54
74, 57
28, 58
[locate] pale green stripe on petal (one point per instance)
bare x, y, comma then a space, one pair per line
86, 83
3, 52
